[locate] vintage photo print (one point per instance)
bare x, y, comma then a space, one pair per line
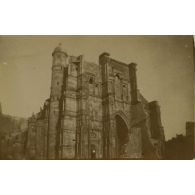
97, 97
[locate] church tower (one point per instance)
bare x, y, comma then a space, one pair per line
58, 66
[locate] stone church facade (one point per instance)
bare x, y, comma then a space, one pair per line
95, 111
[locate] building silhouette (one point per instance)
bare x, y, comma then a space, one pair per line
182, 147
94, 111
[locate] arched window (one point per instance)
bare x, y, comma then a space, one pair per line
122, 137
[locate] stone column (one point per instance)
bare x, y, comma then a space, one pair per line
82, 113
104, 61
133, 83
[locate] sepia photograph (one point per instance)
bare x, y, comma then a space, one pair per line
98, 97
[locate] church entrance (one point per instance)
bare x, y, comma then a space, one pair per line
122, 137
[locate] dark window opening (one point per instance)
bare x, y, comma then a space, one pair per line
117, 75
91, 80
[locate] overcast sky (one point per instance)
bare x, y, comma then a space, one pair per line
165, 71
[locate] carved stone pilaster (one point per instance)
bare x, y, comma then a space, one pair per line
133, 83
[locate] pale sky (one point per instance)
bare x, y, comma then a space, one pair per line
165, 71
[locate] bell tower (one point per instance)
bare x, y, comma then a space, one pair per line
59, 63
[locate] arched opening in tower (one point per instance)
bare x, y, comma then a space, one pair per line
122, 137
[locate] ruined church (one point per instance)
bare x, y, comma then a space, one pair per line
95, 111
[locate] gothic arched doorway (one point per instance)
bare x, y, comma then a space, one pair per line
122, 137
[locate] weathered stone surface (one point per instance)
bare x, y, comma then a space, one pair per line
95, 111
